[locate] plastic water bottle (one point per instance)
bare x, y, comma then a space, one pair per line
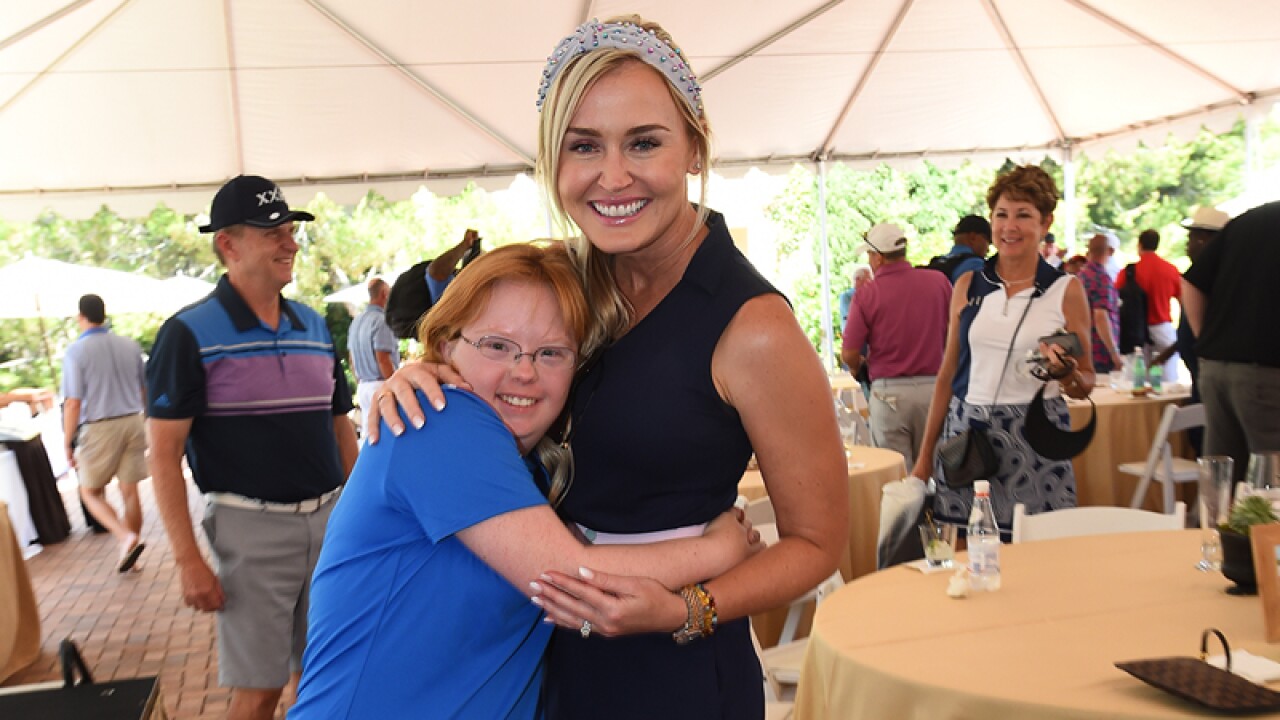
1139, 371
984, 541
1156, 373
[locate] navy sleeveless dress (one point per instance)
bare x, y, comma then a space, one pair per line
656, 448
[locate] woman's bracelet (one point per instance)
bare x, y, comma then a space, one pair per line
701, 619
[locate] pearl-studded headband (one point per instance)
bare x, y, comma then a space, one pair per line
644, 44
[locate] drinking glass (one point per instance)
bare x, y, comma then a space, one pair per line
1215, 503
939, 540
1263, 474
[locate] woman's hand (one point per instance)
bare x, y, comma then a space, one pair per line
734, 538
613, 604
1058, 362
398, 394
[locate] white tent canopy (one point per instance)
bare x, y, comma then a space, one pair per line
130, 101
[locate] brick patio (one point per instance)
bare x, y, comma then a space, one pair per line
126, 625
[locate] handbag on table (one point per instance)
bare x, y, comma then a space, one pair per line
1197, 681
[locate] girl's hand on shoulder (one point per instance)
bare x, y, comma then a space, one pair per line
399, 393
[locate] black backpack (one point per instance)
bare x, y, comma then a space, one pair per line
1133, 314
408, 301
946, 265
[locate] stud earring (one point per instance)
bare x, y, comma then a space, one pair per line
697, 167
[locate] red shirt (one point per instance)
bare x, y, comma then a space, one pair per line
1160, 280
902, 316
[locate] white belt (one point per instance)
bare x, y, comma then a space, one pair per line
603, 538
302, 507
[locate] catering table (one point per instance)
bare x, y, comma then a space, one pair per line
893, 645
47, 511
1126, 427
869, 470
19, 618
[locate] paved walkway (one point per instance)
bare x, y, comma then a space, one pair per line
127, 625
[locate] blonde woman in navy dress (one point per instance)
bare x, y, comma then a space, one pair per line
704, 363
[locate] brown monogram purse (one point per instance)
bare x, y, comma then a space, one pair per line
1197, 681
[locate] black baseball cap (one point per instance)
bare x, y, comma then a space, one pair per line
973, 224
251, 200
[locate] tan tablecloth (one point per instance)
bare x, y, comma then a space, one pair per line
869, 470
893, 645
1126, 427
19, 618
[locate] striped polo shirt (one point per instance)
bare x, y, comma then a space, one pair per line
261, 401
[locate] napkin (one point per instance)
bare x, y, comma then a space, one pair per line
923, 566
1253, 668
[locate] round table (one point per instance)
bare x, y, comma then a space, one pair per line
869, 470
893, 645
1126, 427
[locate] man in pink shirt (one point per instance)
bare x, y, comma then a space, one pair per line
901, 319
1162, 282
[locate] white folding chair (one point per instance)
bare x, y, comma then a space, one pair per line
798, 606
1092, 521
775, 707
760, 511
1160, 464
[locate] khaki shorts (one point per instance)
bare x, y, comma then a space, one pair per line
112, 448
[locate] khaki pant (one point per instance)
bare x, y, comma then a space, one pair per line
112, 448
899, 413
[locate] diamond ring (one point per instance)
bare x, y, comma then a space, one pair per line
585, 630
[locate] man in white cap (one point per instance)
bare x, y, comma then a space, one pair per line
1229, 295
901, 319
1202, 228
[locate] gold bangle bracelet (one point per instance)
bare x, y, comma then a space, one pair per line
701, 618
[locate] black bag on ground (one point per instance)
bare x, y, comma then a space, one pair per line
408, 301
1133, 314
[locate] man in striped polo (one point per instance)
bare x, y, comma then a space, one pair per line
247, 385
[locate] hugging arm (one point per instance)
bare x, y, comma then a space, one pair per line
765, 368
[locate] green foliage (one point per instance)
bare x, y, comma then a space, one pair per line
927, 199
1253, 510
1125, 192
344, 245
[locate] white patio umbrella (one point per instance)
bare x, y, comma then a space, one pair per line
179, 292
36, 287
358, 294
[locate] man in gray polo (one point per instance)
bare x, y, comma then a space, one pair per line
104, 390
371, 346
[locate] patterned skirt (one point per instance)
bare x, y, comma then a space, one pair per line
1024, 477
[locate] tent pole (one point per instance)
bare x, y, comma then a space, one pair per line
828, 338
44, 338
1252, 146
1069, 197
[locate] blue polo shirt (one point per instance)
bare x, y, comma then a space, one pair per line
261, 401
104, 371
367, 336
